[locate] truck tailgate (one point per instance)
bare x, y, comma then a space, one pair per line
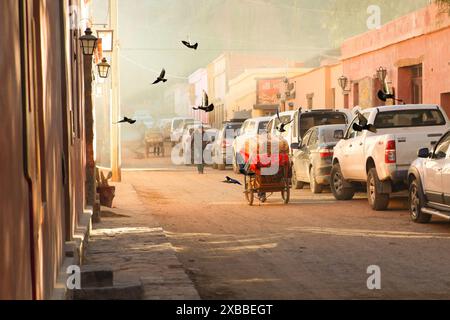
409, 142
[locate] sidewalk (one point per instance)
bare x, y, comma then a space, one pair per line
131, 242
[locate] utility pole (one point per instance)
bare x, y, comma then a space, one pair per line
115, 108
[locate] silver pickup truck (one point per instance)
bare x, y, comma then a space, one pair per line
379, 147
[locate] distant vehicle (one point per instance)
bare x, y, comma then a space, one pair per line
154, 142
210, 138
144, 117
312, 158
222, 148
177, 127
429, 182
164, 125
379, 147
250, 128
274, 123
187, 138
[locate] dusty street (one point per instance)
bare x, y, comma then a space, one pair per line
315, 247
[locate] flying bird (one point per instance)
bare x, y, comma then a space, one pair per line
161, 77
231, 181
127, 120
189, 45
281, 128
205, 105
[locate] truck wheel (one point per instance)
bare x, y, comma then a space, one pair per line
416, 202
315, 187
377, 200
295, 183
340, 191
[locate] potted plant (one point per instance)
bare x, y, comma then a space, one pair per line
106, 192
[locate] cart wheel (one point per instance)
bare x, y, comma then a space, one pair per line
249, 194
286, 194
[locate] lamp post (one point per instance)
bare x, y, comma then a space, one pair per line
88, 44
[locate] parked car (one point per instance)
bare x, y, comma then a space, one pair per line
274, 123
250, 129
312, 159
222, 148
429, 182
177, 128
305, 120
379, 147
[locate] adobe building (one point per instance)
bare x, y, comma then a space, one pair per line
227, 67
415, 51
318, 88
258, 91
43, 221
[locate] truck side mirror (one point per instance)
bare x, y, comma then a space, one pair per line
423, 153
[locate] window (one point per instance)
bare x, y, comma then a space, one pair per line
251, 126
314, 139
310, 101
409, 118
271, 125
306, 138
416, 84
262, 127
313, 119
356, 94
443, 149
351, 133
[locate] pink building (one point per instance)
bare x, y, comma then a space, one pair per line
198, 82
415, 51
318, 88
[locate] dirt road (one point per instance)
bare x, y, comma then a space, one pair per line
314, 247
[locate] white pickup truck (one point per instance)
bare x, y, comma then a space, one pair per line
379, 147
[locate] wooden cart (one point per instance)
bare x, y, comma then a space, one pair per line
267, 171
154, 139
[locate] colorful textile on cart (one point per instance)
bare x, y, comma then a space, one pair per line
259, 154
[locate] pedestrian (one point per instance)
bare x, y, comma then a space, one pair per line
198, 146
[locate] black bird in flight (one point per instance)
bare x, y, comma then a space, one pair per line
161, 77
189, 45
281, 127
231, 181
127, 120
206, 106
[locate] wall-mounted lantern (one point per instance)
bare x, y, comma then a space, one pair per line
343, 82
103, 68
382, 74
88, 42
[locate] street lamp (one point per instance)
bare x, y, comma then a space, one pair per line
88, 42
343, 81
103, 68
382, 74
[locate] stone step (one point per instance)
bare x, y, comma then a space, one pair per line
96, 276
131, 291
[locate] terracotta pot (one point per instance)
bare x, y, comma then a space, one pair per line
107, 195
